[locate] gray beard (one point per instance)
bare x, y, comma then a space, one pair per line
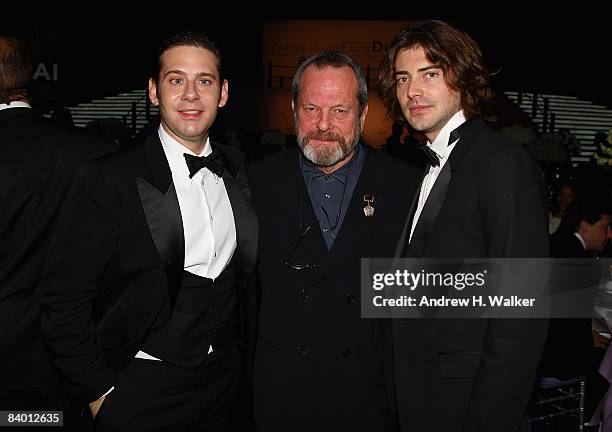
330, 155
325, 157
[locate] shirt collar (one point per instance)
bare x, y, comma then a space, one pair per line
579, 237
174, 154
311, 171
440, 144
15, 104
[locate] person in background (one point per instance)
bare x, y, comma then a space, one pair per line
562, 197
39, 158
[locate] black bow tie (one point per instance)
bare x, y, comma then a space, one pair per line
214, 162
432, 156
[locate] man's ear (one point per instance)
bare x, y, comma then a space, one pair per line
293, 109
363, 116
224, 93
153, 92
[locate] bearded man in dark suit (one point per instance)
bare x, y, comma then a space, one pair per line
323, 206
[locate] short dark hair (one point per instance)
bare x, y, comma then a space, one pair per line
15, 69
333, 59
187, 38
451, 49
581, 209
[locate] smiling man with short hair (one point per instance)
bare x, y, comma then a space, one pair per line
153, 255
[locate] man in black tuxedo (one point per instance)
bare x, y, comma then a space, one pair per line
318, 364
583, 230
569, 352
153, 255
38, 159
482, 196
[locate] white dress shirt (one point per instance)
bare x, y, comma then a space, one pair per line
579, 237
443, 150
14, 104
208, 220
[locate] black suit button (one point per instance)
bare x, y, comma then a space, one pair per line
351, 298
301, 350
304, 293
214, 325
399, 322
347, 353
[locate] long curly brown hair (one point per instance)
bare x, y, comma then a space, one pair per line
455, 52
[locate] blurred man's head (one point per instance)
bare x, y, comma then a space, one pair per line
590, 220
15, 70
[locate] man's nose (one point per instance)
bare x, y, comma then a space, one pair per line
324, 121
190, 91
413, 89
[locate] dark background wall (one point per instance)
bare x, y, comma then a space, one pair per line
561, 51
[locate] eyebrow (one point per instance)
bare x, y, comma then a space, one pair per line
423, 69
180, 72
343, 106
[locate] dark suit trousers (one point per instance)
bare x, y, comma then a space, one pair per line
158, 396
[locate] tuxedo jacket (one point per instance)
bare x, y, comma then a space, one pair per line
475, 374
567, 245
117, 261
38, 159
318, 364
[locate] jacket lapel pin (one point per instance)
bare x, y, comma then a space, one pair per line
368, 210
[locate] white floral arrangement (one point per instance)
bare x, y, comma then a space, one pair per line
603, 155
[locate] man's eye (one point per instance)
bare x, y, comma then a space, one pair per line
402, 80
205, 82
176, 81
431, 75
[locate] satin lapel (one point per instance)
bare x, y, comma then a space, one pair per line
163, 214
426, 225
402, 245
235, 179
245, 221
429, 214
463, 147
